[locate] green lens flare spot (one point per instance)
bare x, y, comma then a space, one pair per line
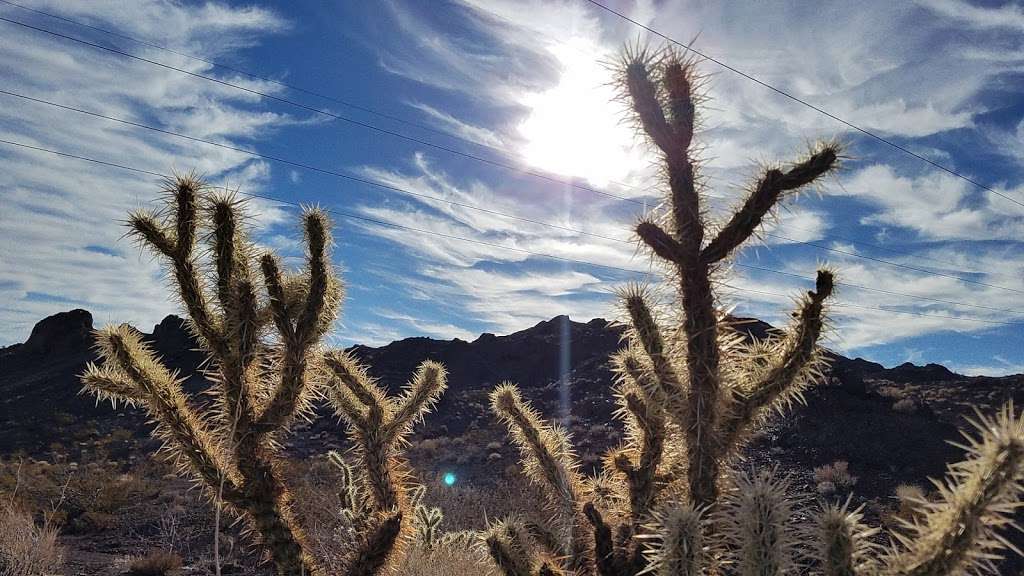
449, 478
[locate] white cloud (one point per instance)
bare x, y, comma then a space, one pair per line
1006, 16
935, 205
60, 242
460, 128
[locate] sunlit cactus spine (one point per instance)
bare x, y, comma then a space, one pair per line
379, 426
962, 532
262, 345
549, 460
692, 391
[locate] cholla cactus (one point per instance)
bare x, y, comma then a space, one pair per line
379, 426
262, 347
428, 525
266, 362
690, 395
958, 534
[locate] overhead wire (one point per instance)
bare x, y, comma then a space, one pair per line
803, 102
329, 114
487, 210
350, 215
426, 143
281, 83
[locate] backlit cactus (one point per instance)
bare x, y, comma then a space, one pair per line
262, 329
692, 391
262, 346
379, 426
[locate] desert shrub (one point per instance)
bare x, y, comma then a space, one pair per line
454, 556
100, 497
27, 548
156, 563
905, 406
834, 477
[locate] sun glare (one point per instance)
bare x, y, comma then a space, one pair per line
575, 128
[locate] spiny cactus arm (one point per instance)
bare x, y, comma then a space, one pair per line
108, 383
278, 303
677, 544
660, 242
230, 259
604, 546
352, 385
649, 335
506, 546
764, 196
643, 92
543, 448
842, 542
643, 476
241, 323
324, 294
379, 546
179, 250
348, 490
377, 452
292, 393
799, 363
185, 433
960, 533
422, 393
756, 523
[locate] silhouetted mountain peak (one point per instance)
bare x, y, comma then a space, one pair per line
927, 373
61, 334
172, 335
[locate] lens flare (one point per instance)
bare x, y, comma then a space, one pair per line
449, 478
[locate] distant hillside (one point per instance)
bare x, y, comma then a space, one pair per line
852, 419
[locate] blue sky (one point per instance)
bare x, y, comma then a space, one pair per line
940, 77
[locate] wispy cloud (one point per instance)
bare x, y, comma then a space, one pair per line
60, 242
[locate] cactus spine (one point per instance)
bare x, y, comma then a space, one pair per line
690, 394
261, 374
267, 365
379, 425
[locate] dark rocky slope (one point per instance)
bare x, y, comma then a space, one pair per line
852, 418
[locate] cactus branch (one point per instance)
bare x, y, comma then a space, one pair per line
842, 541
188, 437
961, 533
764, 196
789, 372
421, 395
107, 383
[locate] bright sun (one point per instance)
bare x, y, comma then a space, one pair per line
575, 128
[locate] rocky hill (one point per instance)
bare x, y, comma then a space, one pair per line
891, 424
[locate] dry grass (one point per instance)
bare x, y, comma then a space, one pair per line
26, 548
156, 563
834, 477
445, 560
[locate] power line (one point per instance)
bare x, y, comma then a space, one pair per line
820, 110
329, 114
403, 136
281, 83
350, 215
309, 167
511, 216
